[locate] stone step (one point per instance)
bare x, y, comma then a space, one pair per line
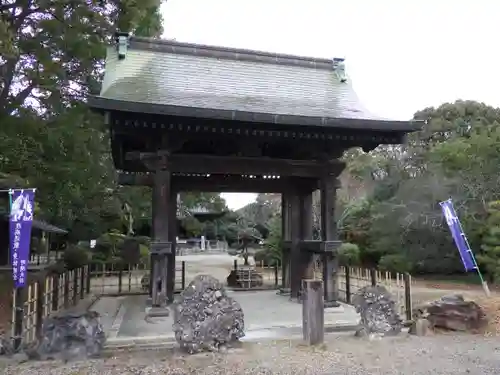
157, 312
253, 335
140, 343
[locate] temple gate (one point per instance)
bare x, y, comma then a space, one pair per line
187, 117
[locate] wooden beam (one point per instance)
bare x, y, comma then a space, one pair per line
317, 246
207, 164
219, 183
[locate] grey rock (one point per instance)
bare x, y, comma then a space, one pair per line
71, 336
20, 357
361, 332
205, 318
378, 311
420, 327
453, 298
6, 347
452, 312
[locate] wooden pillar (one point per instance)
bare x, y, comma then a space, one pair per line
160, 245
329, 185
172, 233
295, 231
306, 233
286, 236
313, 312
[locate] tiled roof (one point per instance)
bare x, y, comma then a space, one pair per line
173, 76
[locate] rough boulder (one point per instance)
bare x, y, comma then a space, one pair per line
71, 336
205, 318
378, 311
453, 313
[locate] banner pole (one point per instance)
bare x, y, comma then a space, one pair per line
10, 210
484, 284
17, 327
464, 248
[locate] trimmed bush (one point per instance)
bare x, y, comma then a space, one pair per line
75, 257
145, 255
394, 263
349, 254
265, 258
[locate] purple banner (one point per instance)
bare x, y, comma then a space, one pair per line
458, 235
21, 219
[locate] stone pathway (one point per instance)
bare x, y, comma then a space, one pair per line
267, 315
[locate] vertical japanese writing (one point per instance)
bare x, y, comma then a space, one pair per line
21, 219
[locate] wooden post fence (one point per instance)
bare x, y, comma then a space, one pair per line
408, 302
373, 276
183, 275
88, 276
398, 284
40, 307
75, 287
348, 285
55, 292
42, 298
82, 283
65, 290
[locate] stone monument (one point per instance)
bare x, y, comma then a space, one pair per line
378, 312
205, 318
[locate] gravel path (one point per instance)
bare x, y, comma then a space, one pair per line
342, 354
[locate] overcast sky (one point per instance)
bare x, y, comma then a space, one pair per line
401, 56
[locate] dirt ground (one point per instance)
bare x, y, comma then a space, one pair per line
425, 290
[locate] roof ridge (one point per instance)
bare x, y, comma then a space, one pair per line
231, 53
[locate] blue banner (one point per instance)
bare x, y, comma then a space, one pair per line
458, 235
21, 219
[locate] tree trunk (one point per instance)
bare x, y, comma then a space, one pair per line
245, 256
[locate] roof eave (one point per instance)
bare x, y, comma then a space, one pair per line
40, 225
101, 104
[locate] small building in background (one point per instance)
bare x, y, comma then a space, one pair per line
47, 243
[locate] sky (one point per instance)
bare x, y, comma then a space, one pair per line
401, 56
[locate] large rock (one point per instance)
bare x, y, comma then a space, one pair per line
205, 318
452, 312
377, 310
71, 336
5, 345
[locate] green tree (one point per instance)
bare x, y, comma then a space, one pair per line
274, 242
490, 256
349, 254
52, 58
397, 218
